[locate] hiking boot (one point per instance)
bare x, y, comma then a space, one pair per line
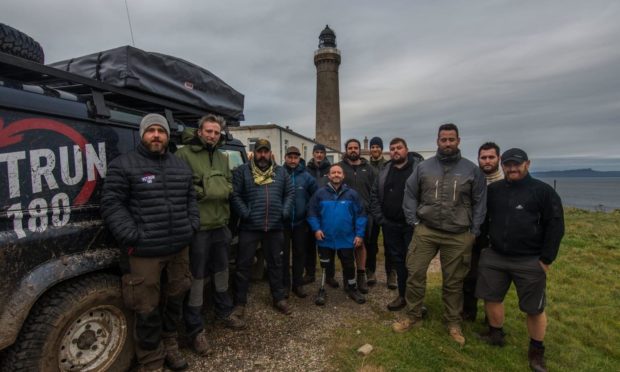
332, 282
372, 278
283, 307
362, 284
493, 337
239, 312
233, 321
174, 360
307, 279
406, 324
200, 344
355, 294
536, 357
392, 283
457, 335
397, 304
300, 292
321, 297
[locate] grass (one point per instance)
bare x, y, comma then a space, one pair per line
583, 308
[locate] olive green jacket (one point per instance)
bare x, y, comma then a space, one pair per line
212, 179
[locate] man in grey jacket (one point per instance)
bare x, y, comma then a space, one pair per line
445, 198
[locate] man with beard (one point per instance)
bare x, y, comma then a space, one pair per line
387, 209
337, 218
296, 229
209, 248
149, 205
445, 199
263, 197
488, 161
318, 167
377, 162
360, 176
526, 225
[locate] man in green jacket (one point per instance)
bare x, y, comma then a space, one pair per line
212, 180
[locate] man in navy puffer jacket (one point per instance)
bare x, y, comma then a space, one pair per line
296, 228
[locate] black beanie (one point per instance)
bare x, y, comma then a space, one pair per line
318, 147
376, 141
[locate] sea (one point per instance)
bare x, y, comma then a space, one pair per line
591, 193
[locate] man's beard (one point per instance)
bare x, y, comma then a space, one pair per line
262, 163
493, 170
155, 146
353, 156
399, 160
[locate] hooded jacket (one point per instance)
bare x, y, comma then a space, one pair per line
360, 178
149, 204
305, 187
262, 207
525, 218
212, 179
339, 214
447, 194
319, 171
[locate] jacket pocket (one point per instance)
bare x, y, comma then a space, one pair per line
216, 186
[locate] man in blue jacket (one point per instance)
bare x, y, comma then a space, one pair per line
263, 197
296, 228
338, 219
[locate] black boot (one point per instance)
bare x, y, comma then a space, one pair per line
355, 294
536, 357
494, 336
320, 297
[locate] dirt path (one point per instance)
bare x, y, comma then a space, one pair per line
275, 342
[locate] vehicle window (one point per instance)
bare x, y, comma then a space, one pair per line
235, 158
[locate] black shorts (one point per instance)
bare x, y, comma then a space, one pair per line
497, 271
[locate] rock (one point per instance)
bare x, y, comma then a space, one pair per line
365, 349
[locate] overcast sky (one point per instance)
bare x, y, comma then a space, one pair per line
540, 75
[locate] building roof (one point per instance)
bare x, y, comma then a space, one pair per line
276, 126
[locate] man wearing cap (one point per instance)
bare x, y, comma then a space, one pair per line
377, 161
318, 167
360, 176
209, 249
296, 228
488, 161
526, 225
263, 197
149, 205
445, 199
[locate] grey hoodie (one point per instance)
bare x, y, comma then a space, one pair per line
447, 194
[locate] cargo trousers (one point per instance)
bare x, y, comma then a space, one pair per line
455, 256
155, 319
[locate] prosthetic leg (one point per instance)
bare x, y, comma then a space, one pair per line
321, 296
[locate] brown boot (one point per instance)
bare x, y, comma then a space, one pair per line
536, 357
200, 344
283, 307
391, 280
362, 282
372, 278
397, 304
174, 360
233, 321
406, 324
456, 334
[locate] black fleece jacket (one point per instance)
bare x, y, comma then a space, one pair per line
525, 218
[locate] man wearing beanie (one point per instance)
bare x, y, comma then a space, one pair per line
360, 176
149, 205
377, 162
526, 225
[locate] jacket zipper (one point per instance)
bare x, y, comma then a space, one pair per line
454, 191
267, 208
436, 187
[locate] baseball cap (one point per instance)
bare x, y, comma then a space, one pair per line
517, 155
293, 150
262, 144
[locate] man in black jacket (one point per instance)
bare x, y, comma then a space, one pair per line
360, 176
526, 225
263, 197
386, 205
149, 204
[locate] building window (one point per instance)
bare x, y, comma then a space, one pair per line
252, 143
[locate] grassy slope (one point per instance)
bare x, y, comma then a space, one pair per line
583, 308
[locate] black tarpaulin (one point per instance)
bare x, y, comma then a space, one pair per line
161, 75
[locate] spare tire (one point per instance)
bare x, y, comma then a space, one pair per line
17, 43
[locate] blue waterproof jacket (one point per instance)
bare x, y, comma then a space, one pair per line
305, 187
339, 214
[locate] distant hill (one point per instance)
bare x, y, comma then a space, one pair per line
587, 172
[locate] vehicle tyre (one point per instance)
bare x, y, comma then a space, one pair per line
82, 325
17, 43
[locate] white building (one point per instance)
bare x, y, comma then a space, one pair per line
281, 138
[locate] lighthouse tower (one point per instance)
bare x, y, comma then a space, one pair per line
327, 61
